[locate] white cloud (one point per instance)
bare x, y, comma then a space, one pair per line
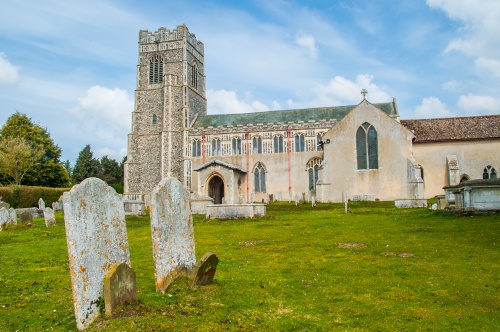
432, 107
474, 104
340, 91
227, 102
8, 73
451, 85
104, 117
307, 42
489, 66
112, 154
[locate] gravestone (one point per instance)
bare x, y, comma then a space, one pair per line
204, 270
313, 201
271, 198
97, 240
119, 287
172, 232
41, 204
4, 217
13, 216
48, 215
4, 205
57, 206
297, 201
26, 217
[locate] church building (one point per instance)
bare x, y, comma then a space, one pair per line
361, 152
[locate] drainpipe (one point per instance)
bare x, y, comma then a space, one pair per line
288, 150
202, 149
247, 135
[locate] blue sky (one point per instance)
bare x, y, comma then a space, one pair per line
71, 65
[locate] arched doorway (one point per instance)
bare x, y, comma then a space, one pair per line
216, 189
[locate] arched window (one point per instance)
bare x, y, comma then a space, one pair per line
319, 142
216, 150
196, 151
259, 177
489, 172
155, 119
278, 143
156, 69
257, 144
236, 144
464, 178
312, 168
194, 76
300, 143
367, 147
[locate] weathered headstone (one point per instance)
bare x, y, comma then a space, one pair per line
4, 205
97, 240
271, 198
313, 201
172, 232
13, 216
297, 200
4, 218
57, 206
48, 215
26, 217
41, 204
204, 270
119, 287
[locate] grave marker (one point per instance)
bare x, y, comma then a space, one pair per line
41, 204
26, 217
4, 218
204, 270
172, 232
97, 240
119, 287
13, 216
48, 215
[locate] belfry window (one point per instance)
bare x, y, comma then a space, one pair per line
216, 150
196, 148
257, 144
236, 145
156, 69
489, 172
300, 144
278, 144
194, 76
259, 176
367, 147
312, 168
155, 119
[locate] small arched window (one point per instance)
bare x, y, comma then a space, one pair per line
300, 143
464, 178
489, 172
236, 145
216, 149
196, 148
312, 168
278, 143
259, 176
156, 69
257, 144
155, 119
367, 147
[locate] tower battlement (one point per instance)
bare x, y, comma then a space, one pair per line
164, 39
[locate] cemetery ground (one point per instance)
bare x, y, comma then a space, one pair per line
376, 268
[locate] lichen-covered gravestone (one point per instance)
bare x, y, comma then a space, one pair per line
48, 214
97, 240
13, 216
41, 204
26, 217
172, 232
4, 218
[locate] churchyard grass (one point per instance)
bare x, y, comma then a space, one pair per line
298, 269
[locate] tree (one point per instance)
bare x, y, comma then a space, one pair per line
109, 171
86, 166
48, 170
17, 157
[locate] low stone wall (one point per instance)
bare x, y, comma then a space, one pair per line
235, 211
134, 208
411, 203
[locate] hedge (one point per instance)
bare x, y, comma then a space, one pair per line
27, 196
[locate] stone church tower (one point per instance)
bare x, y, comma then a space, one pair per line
169, 97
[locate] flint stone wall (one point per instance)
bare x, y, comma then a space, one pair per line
172, 232
97, 240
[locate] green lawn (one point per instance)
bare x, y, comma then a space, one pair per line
298, 269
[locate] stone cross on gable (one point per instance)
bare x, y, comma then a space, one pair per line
364, 92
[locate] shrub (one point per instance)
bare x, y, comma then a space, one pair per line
27, 196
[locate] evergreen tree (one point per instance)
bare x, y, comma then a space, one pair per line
86, 166
109, 171
48, 171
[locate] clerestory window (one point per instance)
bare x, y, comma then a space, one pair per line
300, 143
257, 144
278, 143
216, 148
236, 145
196, 148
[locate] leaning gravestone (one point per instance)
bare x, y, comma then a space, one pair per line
26, 217
48, 214
13, 216
204, 270
119, 287
41, 204
172, 232
97, 240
